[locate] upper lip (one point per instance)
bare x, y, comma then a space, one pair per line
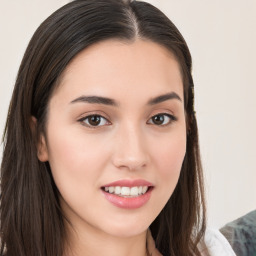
129, 183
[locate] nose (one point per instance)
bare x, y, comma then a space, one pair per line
130, 149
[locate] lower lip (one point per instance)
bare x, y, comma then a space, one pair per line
128, 202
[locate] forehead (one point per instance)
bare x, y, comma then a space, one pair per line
112, 66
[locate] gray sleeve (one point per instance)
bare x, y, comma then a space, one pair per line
241, 234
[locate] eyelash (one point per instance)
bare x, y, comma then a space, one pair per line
172, 119
83, 120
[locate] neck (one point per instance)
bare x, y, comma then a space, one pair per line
94, 243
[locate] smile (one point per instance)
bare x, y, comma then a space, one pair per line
128, 194
127, 191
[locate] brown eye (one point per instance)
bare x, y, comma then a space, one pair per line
94, 121
158, 120
162, 119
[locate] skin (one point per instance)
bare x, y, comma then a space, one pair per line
126, 145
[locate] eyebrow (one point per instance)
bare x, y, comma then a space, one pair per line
111, 102
95, 100
164, 97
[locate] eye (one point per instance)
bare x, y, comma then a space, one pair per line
162, 119
94, 121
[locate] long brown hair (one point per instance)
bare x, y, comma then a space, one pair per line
32, 222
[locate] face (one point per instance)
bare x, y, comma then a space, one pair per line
116, 136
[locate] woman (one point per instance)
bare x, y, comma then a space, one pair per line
101, 149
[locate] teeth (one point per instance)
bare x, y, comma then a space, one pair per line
126, 191
111, 189
117, 190
134, 191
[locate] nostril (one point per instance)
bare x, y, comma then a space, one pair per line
130, 163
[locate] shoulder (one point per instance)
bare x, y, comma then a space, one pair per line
215, 244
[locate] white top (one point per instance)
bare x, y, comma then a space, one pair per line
215, 244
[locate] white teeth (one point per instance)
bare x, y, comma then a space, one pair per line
144, 189
117, 190
134, 191
111, 189
127, 191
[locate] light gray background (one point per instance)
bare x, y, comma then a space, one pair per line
221, 35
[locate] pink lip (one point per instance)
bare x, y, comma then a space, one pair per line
128, 202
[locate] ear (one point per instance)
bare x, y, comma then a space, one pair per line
42, 150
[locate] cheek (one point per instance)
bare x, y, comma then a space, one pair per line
172, 158
76, 168
74, 160
168, 159
73, 148
169, 156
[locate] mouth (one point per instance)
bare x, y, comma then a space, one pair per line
127, 192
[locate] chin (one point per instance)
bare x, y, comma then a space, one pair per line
127, 229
